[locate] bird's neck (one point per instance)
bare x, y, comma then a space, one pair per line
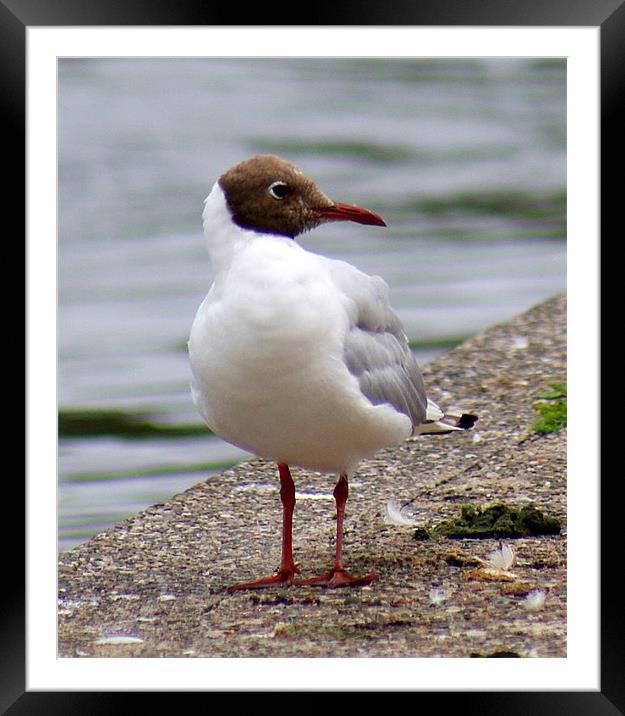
223, 237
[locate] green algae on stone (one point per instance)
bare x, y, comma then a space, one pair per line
498, 520
421, 534
552, 410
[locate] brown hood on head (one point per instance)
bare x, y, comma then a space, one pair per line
268, 194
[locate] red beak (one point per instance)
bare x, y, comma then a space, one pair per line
347, 212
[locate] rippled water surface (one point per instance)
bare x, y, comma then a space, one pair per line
465, 159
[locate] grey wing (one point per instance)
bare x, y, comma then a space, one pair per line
376, 349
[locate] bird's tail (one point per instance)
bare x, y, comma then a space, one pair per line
438, 422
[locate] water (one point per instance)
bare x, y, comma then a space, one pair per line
465, 159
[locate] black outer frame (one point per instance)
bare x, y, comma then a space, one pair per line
609, 15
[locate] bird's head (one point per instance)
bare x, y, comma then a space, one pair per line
268, 194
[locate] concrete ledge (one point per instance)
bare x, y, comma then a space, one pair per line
154, 585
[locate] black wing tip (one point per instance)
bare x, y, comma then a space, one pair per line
467, 421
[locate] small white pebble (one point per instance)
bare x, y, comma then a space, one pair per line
313, 496
535, 599
116, 597
501, 559
256, 488
395, 514
119, 639
519, 343
437, 597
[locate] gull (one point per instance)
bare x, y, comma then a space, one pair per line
296, 357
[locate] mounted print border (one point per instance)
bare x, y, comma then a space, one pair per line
17, 16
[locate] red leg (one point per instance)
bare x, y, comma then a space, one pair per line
338, 576
288, 569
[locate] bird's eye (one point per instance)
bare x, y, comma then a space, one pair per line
278, 189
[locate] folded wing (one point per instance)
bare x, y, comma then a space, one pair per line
376, 349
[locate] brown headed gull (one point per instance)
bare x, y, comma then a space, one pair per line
296, 357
